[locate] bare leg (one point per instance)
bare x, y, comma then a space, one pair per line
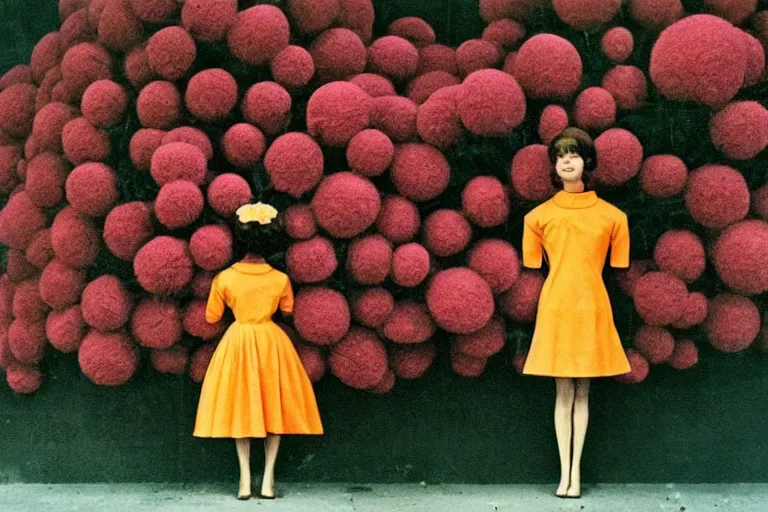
580, 421
243, 447
271, 445
563, 429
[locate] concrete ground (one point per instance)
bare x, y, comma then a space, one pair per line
384, 498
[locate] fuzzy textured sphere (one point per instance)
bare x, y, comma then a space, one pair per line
414, 29
639, 368
734, 11
119, 28
553, 120
65, 329
136, 68
46, 176
483, 343
198, 365
619, 156
26, 340
617, 44
27, 303
128, 227
437, 121
655, 343
398, 219
143, 145
178, 204
321, 315
656, 14
190, 135
163, 265
372, 307
17, 109
195, 324
420, 172
106, 304
740, 255
172, 361
159, 105
701, 58
395, 116
422, 87
369, 259
740, 130
293, 67
313, 360
595, 109
733, 322
23, 379
312, 16
467, 366
460, 300
394, 57
685, 355
40, 251
156, 323
373, 84
83, 142
337, 54
104, 103
45, 55
49, 122
227, 192
311, 261
504, 33
520, 302
717, 196
201, 284
170, 52
412, 361
19, 74
386, 384
211, 95
359, 360
681, 253
10, 156
91, 189
694, 311
497, 262
211, 246
370, 152
663, 175
660, 298
299, 222
17, 267
755, 60
258, 34
153, 11
178, 161
336, 112
476, 54
294, 164
760, 202
548, 66
446, 232
490, 103
485, 201
208, 20
346, 204
530, 173
628, 86
627, 278
409, 322
437, 57
410, 264
586, 14
83, 64
20, 220
268, 106
108, 359
61, 285
74, 238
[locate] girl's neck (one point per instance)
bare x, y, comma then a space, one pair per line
574, 187
253, 258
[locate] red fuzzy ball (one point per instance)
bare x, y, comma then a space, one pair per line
504, 33
412, 361
733, 11
398, 219
299, 222
438, 57
6, 302
359, 360
153, 11
617, 44
357, 15
192, 136
45, 55
74, 238
520, 302
313, 360
337, 54
78, 28
422, 87
639, 368
294, 164
49, 123
258, 34
446, 232
530, 173
497, 262
119, 28
159, 105
321, 315
20, 74
370, 152
409, 322
311, 261
201, 284
95, 10
27, 303
346, 204
394, 57
106, 304
619, 156
83, 142
126, 228
136, 68
374, 85
85, 63
476, 54
733, 322
467, 366
491, 103
23, 379
420, 172
595, 109
108, 359
694, 311
553, 120
656, 14
680, 253
685, 355
740, 256
65, 329
227, 192
369, 259
586, 14
170, 52
717, 196
293, 67
491, 10
414, 29
660, 298
163, 265
628, 86
740, 130
243, 145
104, 103
156, 323
372, 307
312, 16
209, 20
40, 251
388, 381
178, 204
700, 58
460, 300
91, 189
755, 60
172, 361
655, 343
211, 95
178, 161
663, 175
483, 343
61, 285
200, 361
760, 202
268, 106
211, 246
17, 267
9, 162
485, 201
195, 323
143, 145
17, 109
26, 340
438, 122
548, 66
395, 116
410, 265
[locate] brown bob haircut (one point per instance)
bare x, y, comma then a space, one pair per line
573, 140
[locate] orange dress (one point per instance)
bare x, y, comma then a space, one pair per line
575, 335
255, 383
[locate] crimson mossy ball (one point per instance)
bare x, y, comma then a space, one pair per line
136, 68
553, 120
178, 204
198, 365
548, 67
159, 105
10, 156
46, 176
27, 303
701, 58
476, 54
694, 311
209, 20
65, 329
83, 64
530, 173
412, 361
163, 265
422, 87
753, 75
321, 315
45, 55
437, 121
760, 202
717, 196
497, 262
337, 54
227, 192
26, 340
332, 125
190, 135
74, 238
394, 57
460, 300
153, 11
467, 366
346, 204
243, 145
126, 228
106, 304
178, 161
108, 359
387, 383
268, 106
143, 145
520, 302
91, 189
594, 109
82, 142
170, 52
373, 84
619, 156
586, 14
740, 255
484, 343
49, 123
61, 285
17, 267
437, 57
17, 109
639, 368
313, 360
627, 278
733, 322
201, 284
685, 355
446, 232
740, 130
172, 361
23, 379
735, 12
119, 28
369, 259
372, 307
258, 34
211, 95
617, 44
19, 74
299, 222
681, 253
663, 175
395, 116
419, 171
194, 322
409, 322
414, 29
656, 14
655, 343
312, 16
410, 264
660, 298
359, 360
491, 103
370, 152
628, 86
485, 201
104, 103
156, 323
40, 251
504, 33
294, 163
293, 67
211, 246
311, 261
20, 221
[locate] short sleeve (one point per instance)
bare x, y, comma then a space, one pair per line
532, 244
286, 299
214, 310
620, 243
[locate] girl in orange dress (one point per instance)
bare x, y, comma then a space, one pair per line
575, 338
255, 385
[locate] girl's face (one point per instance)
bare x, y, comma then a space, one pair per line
570, 167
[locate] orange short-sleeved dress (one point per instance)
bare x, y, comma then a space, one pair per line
255, 383
575, 335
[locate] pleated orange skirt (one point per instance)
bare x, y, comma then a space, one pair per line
256, 385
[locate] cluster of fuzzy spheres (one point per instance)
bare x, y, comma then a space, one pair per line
418, 263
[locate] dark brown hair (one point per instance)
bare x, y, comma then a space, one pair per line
265, 240
573, 140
